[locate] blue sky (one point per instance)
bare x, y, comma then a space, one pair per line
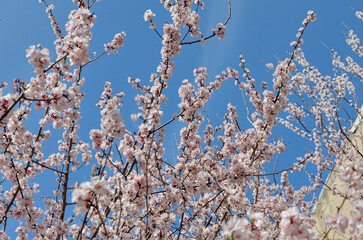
260, 30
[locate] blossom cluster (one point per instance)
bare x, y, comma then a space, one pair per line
244, 229
117, 42
84, 195
220, 30
148, 16
38, 57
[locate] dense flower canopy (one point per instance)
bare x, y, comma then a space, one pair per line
221, 185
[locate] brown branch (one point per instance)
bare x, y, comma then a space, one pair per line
212, 35
11, 107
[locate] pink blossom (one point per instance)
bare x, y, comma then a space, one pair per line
220, 31
117, 42
85, 193
339, 222
38, 57
148, 15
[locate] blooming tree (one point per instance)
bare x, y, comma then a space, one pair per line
222, 185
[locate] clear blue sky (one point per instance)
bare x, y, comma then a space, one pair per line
260, 30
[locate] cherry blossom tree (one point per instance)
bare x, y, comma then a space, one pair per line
222, 185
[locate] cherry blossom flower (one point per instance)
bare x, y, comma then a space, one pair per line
38, 57
85, 193
220, 31
294, 226
117, 42
148, 15
339, 222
